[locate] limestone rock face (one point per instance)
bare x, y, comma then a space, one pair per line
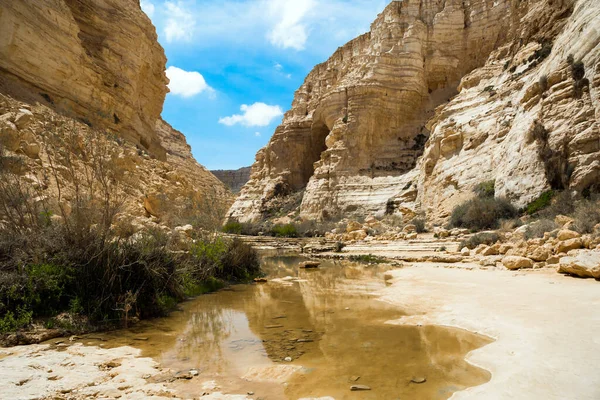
438, 97
96, 60
234, 179
51, 150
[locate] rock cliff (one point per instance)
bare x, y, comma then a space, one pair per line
80, 78
439, 96
96, 60
234, 179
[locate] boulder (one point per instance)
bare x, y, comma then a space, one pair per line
490, 251
357, 235
23, 119
562, 220
516, 262
353, 226
411, 236
568, 245
585, 264
465, 251
505, 248
566, 234
538, 253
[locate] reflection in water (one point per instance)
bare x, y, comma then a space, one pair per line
326, 321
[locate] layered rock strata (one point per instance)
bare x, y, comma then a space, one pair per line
83, 82
95, 60
438, 97
234, 179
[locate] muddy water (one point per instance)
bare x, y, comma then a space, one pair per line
327, 321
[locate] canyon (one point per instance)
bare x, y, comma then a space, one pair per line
438, 97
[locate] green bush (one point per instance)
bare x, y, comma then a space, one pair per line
233, 227
286, 231
487, 238
480, 214
542, 202
486, 189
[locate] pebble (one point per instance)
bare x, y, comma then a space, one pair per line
288, 359
357, 388
419, 380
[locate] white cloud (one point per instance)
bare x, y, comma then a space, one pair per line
257, 134
258, 114
187, 84
148, 8
278, 66
180, 23
290, 30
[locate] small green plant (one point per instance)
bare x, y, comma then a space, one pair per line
368, 258
233, 227
286, 231
11, 322
443, 249
542, 202
486, 190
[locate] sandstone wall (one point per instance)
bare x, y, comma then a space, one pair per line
410, 116
96, 60
234, 179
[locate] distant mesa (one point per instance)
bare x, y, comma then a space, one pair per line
234, 179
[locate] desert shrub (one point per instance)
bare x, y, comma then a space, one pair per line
338, 247
419, 223
543, 83
561, 203
78, 264
544, 51
542, 202
233, 227
587, 216
487, 238
286, 231
239, 262
486, 189
481, 214
538, 228
538, 133
578, 70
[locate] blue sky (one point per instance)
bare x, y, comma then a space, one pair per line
234, 65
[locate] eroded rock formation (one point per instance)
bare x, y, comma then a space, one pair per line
438, 97
95, 60
234, 179
85, 79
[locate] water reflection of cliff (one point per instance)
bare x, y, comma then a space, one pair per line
326, 321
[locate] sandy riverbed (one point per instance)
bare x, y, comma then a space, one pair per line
546, 326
